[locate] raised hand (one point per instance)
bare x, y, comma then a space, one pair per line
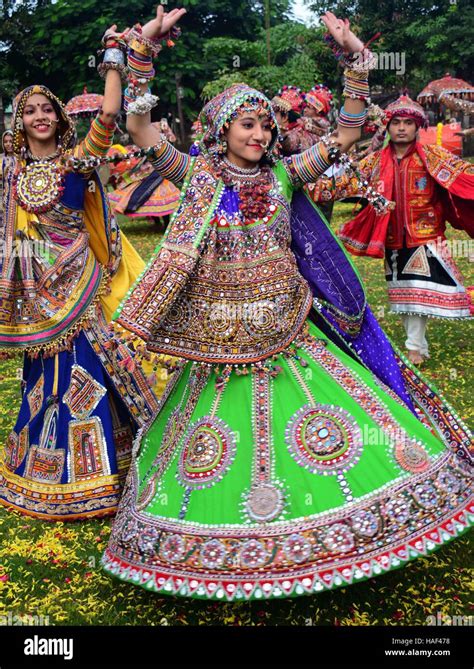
162, 23
340, 29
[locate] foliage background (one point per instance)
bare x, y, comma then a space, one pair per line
52, 42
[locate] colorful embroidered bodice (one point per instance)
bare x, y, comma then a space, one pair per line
49, 275
245, 298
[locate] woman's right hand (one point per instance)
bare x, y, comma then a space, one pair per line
162, 23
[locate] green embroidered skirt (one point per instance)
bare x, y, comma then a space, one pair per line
289, 478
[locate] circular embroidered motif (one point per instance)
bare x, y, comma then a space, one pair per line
220, 321
426, 495
178, 317
208, 451
365, 523
448, 482
397, 509
212, 554
264, 502
412, 457
297, 548
39, 186
339, 538
253, 554
324, 439
172, 548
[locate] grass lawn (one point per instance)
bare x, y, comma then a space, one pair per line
52, 569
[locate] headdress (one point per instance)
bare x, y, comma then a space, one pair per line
65, 126
218, 114
320, 97
406, 108
289, 98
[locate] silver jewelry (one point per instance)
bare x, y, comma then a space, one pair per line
241, 171
114, 55
143, 104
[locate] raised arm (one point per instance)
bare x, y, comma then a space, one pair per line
307, 166
144, 43
101, 133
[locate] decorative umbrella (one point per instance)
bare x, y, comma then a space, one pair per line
447, 85
85, 105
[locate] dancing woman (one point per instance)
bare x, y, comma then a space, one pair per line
287, 457
65, 268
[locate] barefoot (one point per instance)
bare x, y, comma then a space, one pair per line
415, 357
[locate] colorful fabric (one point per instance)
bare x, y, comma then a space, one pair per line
405, 107
278, 485
424, 280
280, 463
147, 194
69, 451
320, 97
366, 234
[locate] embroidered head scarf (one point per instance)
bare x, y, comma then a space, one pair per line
7, 132
224, 108
66, 128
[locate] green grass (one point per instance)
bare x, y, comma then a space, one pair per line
52, 569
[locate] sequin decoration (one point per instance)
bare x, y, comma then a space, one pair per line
35, 397
84, 393
253, 554
426, 495
297, 548
365, 523
264, 502
212, 554
411, 456
208, 451
324, 439
173, 548
397, 509
339, 538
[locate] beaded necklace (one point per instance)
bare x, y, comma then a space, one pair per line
253, 185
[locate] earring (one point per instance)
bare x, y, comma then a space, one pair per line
222, 146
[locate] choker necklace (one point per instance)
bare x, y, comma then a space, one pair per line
240, 171
43, 159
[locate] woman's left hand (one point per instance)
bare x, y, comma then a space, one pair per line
340, 29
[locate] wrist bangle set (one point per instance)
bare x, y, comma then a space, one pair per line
139, 70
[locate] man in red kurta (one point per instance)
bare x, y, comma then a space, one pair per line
429, 186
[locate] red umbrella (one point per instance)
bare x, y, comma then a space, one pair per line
447, 85
85, 105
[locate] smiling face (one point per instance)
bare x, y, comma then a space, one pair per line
402, 130
40, 118
247, 138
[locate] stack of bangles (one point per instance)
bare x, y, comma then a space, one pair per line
141, 51
348, 120
114, 57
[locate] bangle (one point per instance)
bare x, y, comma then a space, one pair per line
114, 55
152, 46
348, 120
356, 89
143, 104
103, 68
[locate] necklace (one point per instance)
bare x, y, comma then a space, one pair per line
237, 171
39, 185
41, 159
